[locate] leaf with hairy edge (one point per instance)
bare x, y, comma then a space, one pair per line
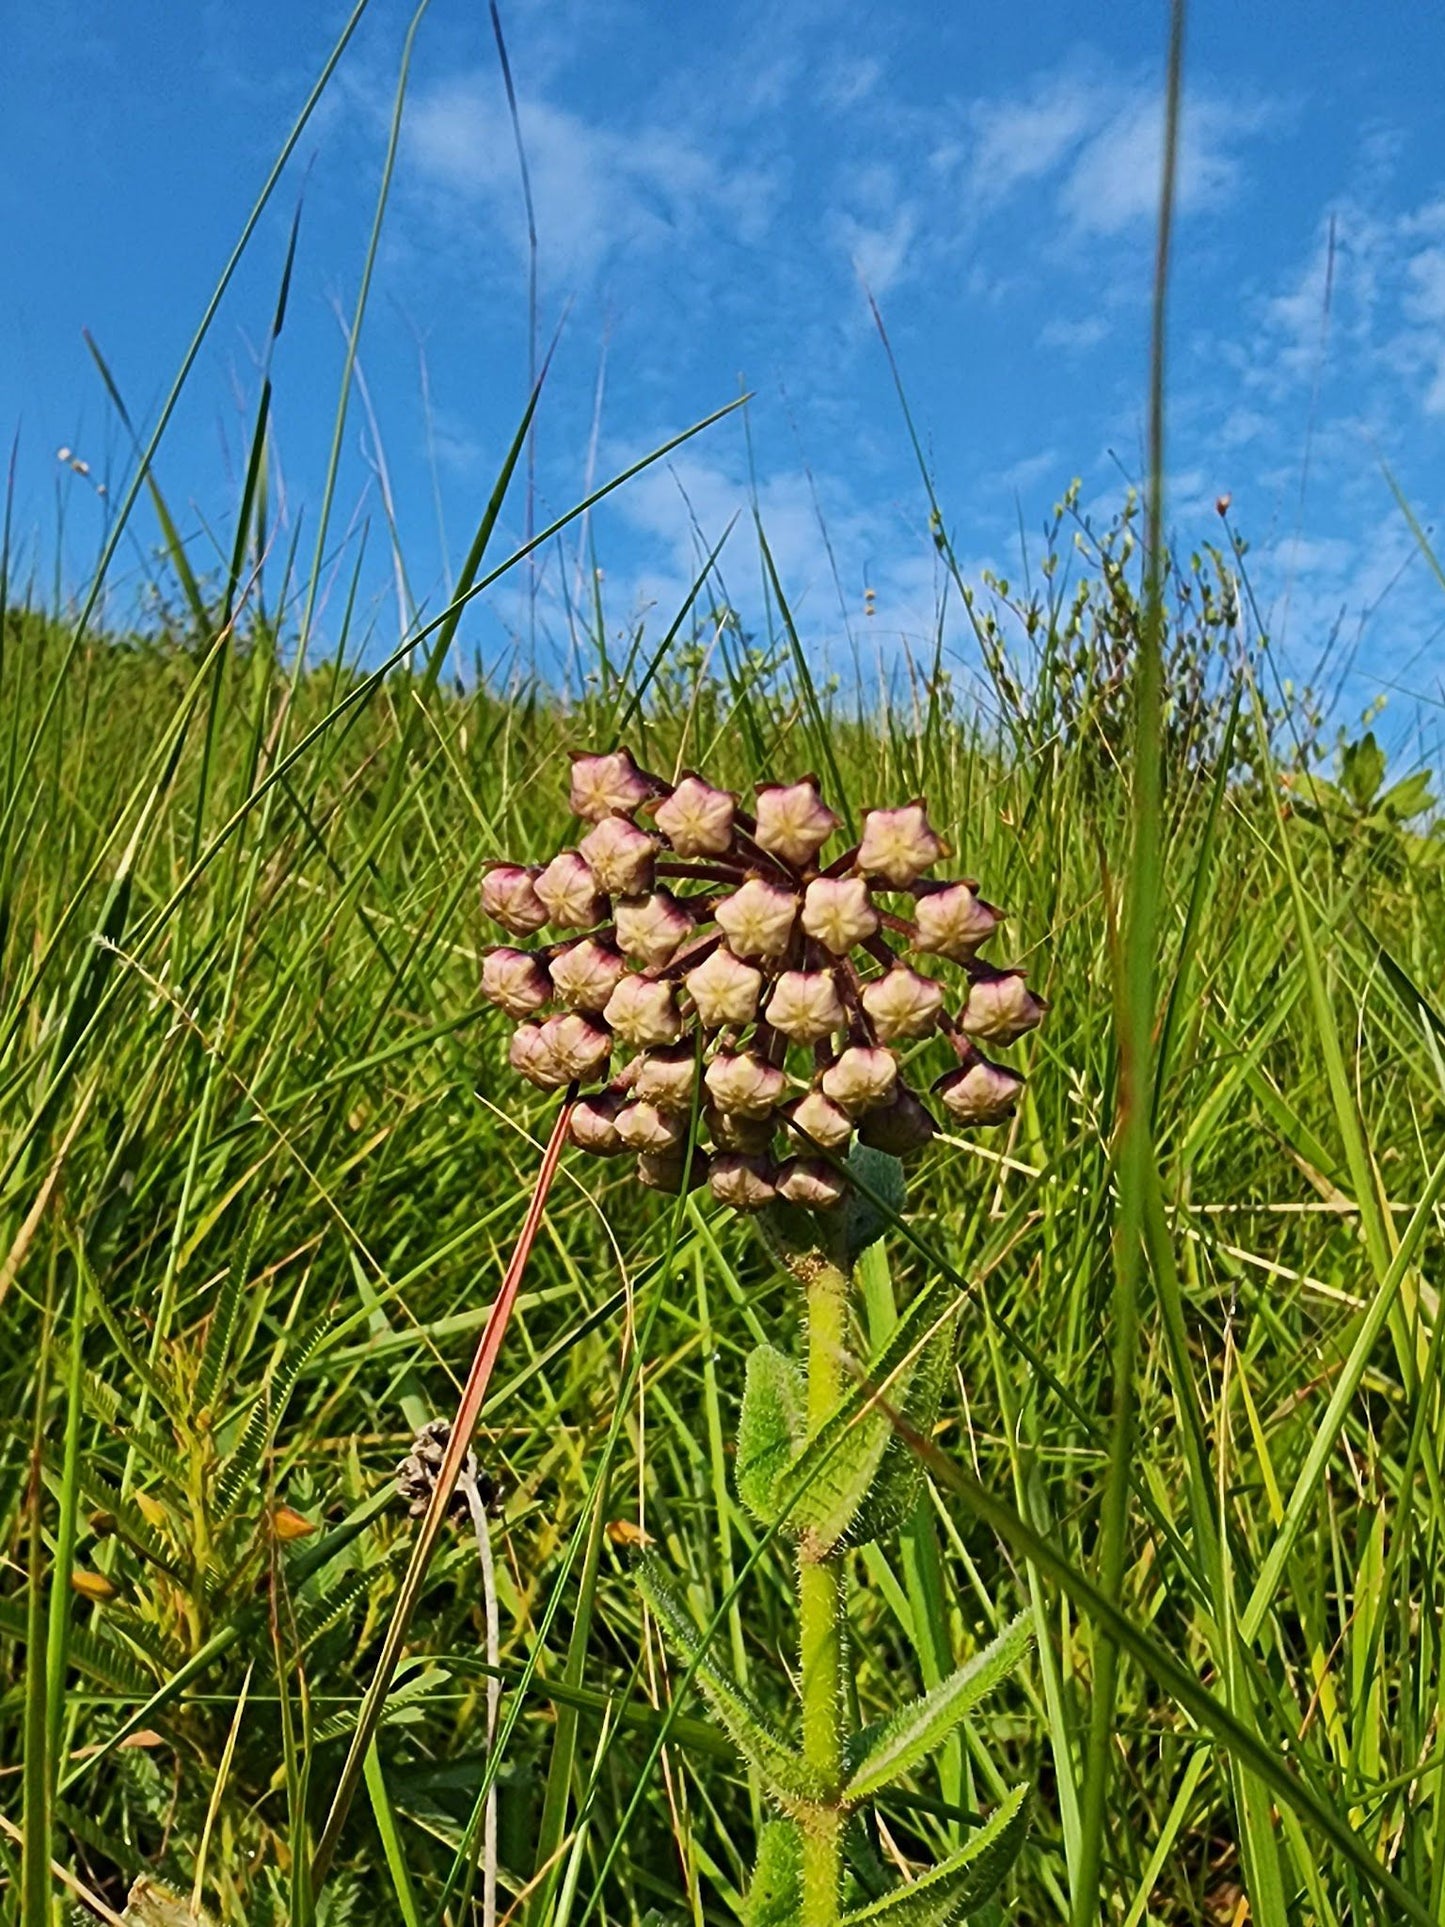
776, 1890
960, 1885
747, 1725
823, 1491
894, 1746
770, 1428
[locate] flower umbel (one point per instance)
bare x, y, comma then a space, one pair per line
702, 939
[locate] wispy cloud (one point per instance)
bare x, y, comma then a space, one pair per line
1094, 144
601, 191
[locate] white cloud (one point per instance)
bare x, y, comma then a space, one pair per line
599, 191
1098, 143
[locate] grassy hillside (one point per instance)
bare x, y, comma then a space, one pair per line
263, 1164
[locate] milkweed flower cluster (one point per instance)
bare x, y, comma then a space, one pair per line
692, 933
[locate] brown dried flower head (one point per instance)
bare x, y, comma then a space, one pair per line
704, 939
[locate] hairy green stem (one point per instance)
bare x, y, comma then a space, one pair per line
821, 1619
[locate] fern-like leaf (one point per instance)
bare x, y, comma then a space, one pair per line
745, 1722
893, 1747
264, 1417
960, 1885
770, 1428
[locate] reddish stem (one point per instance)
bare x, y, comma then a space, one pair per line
463, 1425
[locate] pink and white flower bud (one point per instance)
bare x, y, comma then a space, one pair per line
585, 974
672, 1170
509, 897
758, 919
696, 819
592, 1126
810, 1183
979, 1092
620, 857
953, 922
1001, 1007
805, 1006
822, 1120
569, 890
650, 928
724, 989
743, 1081
579, 1047
793, 821
666, 1077
643, 1011
731, 1131
902, 1003
530, 1054
643, 1127
516, 981
864, 1076
899, 1128
743, 1182
606, 785
839, 913
898, 845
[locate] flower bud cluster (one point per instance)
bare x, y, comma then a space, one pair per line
749, 979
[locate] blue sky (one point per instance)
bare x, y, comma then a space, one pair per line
713, 186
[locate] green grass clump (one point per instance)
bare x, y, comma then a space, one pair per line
262, 1165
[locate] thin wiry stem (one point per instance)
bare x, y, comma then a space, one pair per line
463, 1425
482, 1528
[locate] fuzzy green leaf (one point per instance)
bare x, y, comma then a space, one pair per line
960, 1885
894, 1746
776, 1890
745, 1722
770, 1428
824, 1489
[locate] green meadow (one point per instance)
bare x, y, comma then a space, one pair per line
264, 1163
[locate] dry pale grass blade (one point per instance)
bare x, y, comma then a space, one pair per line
469, 1409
